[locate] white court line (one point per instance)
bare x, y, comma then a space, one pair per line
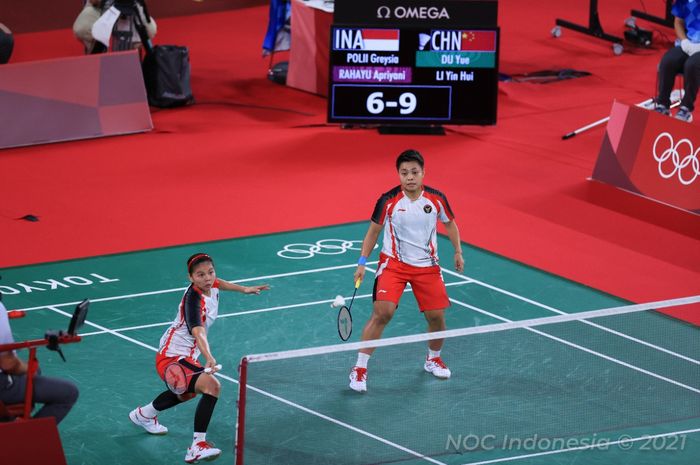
588, 446
585, 349
128, 328
350, 427
94, 325
590, 323
292, 404
272, 396
181, 289
250, 312
464, 278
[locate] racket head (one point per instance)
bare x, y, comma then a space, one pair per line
176, 378
344, 323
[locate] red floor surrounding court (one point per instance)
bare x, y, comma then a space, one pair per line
253, 157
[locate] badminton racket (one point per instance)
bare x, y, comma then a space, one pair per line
177, 378
345, 317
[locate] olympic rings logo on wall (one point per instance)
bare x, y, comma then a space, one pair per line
677, 158
303, 251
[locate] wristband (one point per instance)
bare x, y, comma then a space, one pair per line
362, 261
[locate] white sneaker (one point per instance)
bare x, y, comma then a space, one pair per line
358, 379
437, 367
202, 451
149, 424
684, 114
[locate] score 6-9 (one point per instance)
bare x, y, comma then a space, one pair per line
407, 102
389, 102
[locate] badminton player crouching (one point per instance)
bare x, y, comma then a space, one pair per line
409, 214
182, 343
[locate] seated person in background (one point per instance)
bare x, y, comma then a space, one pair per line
6, 44
57, 395
82, 27
683, 58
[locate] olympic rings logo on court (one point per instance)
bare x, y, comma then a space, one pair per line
679, 158
303, 251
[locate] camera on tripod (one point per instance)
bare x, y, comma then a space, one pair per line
129, 26
636, 35
126, 7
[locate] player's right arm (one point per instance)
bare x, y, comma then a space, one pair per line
193, 319
200, 335
367, 246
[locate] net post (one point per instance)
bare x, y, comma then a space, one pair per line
240, 421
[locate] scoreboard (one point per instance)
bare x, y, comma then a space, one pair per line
413, 75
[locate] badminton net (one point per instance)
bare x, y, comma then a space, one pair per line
566, 383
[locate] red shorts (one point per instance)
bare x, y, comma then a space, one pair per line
192, 367
427, 283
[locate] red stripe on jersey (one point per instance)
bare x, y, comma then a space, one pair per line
175, 328
391, 204
390, 212
384, 204
394, 250
164, 350
433, 255
434, 199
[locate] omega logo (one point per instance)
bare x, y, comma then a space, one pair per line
413, 12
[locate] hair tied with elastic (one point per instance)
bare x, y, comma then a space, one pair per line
197, 258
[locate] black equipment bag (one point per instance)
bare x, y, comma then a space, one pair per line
166, 72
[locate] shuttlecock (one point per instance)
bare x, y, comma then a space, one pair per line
338, 302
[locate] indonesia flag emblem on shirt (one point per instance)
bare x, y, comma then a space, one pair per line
380, 40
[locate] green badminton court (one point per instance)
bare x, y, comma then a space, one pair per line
617, 389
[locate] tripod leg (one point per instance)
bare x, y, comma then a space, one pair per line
141, 30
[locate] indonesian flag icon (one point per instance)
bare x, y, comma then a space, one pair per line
483, 41
380, 40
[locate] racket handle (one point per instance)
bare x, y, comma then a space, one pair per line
357, 283
208, 369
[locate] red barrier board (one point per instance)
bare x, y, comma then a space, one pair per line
651, 155
308, 57
72, 98
31, 442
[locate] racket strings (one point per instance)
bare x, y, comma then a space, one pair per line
176, 379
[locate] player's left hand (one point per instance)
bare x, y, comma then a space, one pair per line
459, 262
256, 289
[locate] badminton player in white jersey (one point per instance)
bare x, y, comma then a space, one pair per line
182, 343
408, 214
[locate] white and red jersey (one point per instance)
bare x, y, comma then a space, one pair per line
410, 226
196, 309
